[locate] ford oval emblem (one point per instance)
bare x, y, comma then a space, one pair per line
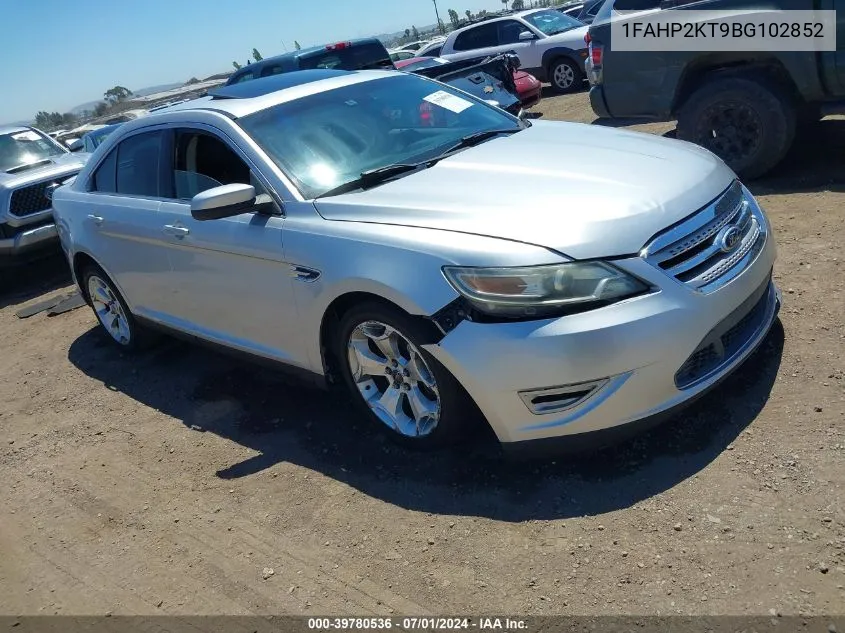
729, 238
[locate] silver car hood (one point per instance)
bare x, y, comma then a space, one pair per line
582, 190
58, 166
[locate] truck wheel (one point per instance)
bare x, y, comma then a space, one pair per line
748, 124
565, 75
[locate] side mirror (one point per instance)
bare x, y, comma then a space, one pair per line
526, 36
224, 201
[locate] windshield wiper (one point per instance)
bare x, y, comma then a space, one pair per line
471, 140
373, 177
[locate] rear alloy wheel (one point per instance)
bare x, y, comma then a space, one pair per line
747, 123
402, 388
110, 308
565, 76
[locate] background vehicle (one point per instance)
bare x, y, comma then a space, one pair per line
583, 12
30, 161
397, 56
92, 140
127, 115
745, 107
549, 44
526, 87
413, 262
415, 46
363, 54
432, 49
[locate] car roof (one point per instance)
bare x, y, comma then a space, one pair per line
243, 99
11, 129
265, 85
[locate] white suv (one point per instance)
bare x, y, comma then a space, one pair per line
550, 44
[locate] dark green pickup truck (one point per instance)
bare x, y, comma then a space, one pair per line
746, 107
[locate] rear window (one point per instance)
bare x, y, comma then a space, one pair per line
370, 56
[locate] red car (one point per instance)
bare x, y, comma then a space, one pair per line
527, 85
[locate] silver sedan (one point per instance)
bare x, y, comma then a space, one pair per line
434, 254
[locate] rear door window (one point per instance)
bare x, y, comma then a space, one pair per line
139, 165
105, 177
509, 31
484, 36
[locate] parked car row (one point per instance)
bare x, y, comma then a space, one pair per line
415, 49
315, 219
550, 45
490, 77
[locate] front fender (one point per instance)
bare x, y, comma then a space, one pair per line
402, 265
577, 55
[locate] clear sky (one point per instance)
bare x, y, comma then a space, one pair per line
57, 54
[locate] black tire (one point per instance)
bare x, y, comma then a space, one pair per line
138, 337
748, 123
454, 412
574, 70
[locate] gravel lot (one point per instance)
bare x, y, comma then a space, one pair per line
184, 482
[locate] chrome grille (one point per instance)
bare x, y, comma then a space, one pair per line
29, 200
712, 246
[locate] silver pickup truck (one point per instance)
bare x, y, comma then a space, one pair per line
30, 162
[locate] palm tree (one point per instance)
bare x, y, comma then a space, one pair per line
505, 2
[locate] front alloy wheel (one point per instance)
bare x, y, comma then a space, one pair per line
393, 379
394, 382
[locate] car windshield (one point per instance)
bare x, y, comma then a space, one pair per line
329, 139
24, 148
552, 22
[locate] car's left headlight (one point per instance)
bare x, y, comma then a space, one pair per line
540, 291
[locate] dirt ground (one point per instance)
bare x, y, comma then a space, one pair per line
183, 482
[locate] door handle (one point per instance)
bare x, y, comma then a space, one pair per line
176, 231
96, 219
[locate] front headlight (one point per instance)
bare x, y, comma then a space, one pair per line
537, 291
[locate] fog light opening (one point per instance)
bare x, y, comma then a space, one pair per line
557, 399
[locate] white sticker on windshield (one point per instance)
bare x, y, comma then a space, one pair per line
29, 135
450, 102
